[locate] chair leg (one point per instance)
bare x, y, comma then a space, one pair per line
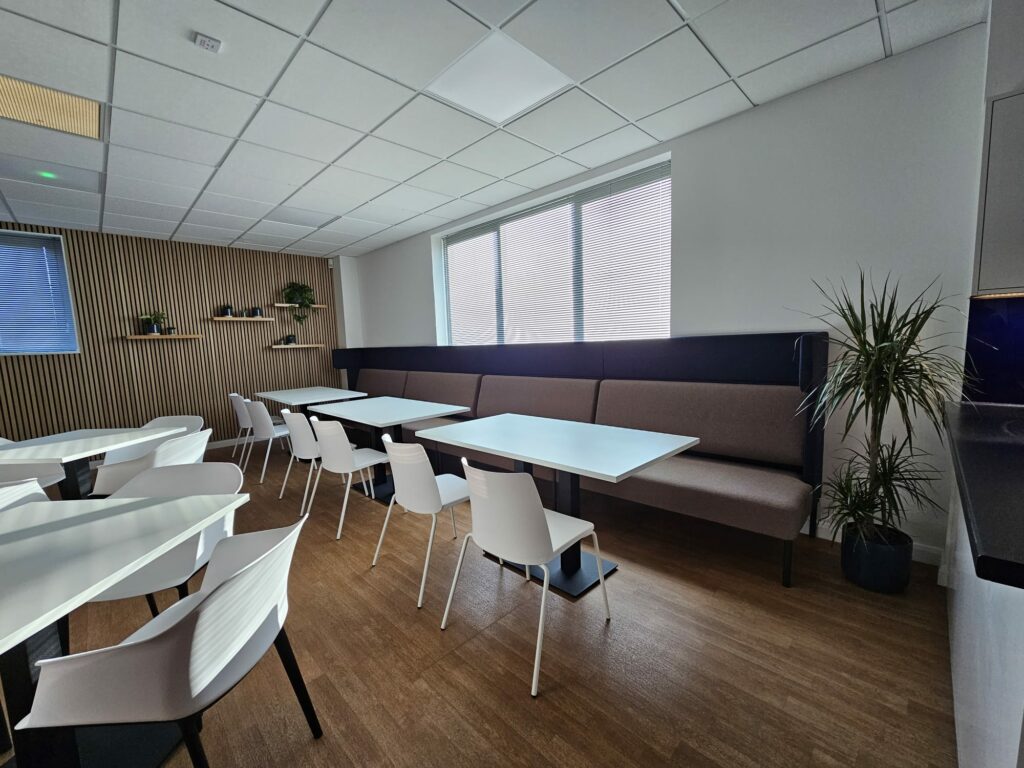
344, 505
373, 491
152, 605
455, 532
540, 630
305, 493
63, 635
237, 438
190, 731
266, 458
247, 445
316, 484
426, 562
600, 577
383, 529
787, 563
287, 472
455, 579
291, 667
362, 479
183, 590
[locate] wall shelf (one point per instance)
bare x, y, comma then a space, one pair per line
163, 336
244, 320
314, 306
297, 346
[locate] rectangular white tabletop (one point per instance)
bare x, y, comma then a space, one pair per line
310, 395
388, 411
591, 450
79, 444
58, 555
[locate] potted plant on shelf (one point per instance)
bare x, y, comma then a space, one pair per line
301, 295
153, 322
885, 365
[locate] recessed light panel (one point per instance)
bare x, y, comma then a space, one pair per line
49, 108
498, 79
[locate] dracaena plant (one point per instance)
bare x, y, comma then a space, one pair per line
885, 364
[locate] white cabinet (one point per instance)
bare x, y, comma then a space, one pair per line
1001, 258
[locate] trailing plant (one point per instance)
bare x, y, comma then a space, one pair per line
885, 363
301, 295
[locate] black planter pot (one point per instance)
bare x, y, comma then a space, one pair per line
878, 563
151, 329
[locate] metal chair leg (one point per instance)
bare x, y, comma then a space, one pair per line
426, 562
455, 579
152, 605
266, 458
190, 732
540, 630
383, 529
344, 506
291, 667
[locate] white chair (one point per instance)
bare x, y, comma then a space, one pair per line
263, 429
510, 522
244, 424
303, 447
188, 449
14, 493
418, 490
173, 569
183, 661
337, 455
192, 424
46, 474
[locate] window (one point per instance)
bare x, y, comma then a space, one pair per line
592, 266
36, 315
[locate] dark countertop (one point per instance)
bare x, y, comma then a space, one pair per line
987, 444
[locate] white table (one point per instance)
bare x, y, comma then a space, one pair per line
382, 414
56, 556
309, 395
573, 449
73, 450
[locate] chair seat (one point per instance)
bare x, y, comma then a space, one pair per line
367, 457
565, 530
453, 489
280, 430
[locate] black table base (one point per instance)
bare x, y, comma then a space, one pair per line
383, 488
77, 482
568, 583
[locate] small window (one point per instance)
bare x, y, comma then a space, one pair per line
36, 313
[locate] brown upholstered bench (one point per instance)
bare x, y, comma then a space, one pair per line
435, 387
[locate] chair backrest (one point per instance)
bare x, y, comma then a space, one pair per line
182, 480
303, 440
18, 492
241, 411
262, 424
335, 450
191, 424
188, 449
415, 484
508, 517
11, 474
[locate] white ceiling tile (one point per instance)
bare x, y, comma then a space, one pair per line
312, 247
612, 146
710, 107
261, 189
492, 12
49, 173
356, 250
927, 20
52, 146
548, 172
265, 163
746, 34
335, 239
691, 9
92, 19
162, 92
294, 15
498, 192
234, 206
350, 225
251, 57
892, 5
223, 221
163, 138
421, 223
338, 190
412, 198
581, 37
384, 159
671, 70
251, 246
432, 127
409, 40
138, 223
357, 97
451, 179
289, 215
189, 231
49, 194
500, 154
387, 237
111, 230
383, 214
50, 57
456, 209
133, 163
566, 121
298, 133
53, 215
498, 79
854, 48
279, 229
143, 209
149, 191
273, 241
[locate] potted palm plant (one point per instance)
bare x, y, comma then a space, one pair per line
885, 365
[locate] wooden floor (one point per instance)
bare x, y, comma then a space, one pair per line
708, 660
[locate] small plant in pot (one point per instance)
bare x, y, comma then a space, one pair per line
301, 295
885, 364
153, 323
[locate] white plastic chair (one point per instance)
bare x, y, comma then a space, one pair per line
244, 424
263, 430
303, 447
337, 455
192, 424
418, 490
183, 661
188, 449
46, 474
173, 569
14, 493
510, 522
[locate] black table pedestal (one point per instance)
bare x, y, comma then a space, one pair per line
77, 482
383, 488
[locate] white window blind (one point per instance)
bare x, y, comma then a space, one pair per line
36, 314
592, 266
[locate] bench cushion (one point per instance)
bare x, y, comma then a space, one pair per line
760, 499
551, 398
742, 421
380, 382
450, 388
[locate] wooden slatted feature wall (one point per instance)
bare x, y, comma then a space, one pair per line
115, 382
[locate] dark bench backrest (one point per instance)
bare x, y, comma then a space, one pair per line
451, 388
571, 399
378, 382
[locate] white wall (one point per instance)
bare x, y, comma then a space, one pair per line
877, 168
